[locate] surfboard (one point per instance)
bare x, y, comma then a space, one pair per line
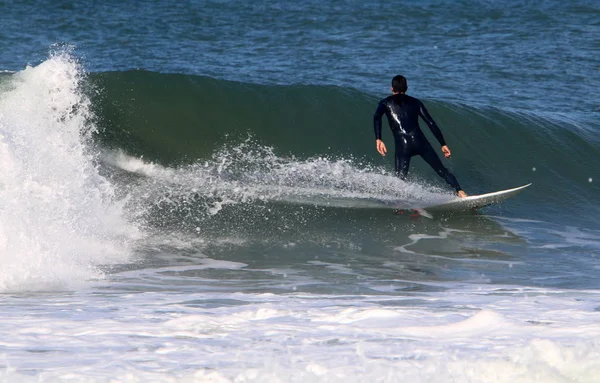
475, 201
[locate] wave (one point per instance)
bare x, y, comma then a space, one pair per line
175, 119
59, 218
199, 154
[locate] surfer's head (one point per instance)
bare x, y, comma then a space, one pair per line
399, 84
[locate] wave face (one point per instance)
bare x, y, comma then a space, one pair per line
174, 118
181, 120
59, 217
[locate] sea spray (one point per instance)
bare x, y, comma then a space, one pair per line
59, 219
247, 182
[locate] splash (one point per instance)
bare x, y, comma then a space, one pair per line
248, 172
59, 219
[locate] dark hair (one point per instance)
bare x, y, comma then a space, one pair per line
399, 84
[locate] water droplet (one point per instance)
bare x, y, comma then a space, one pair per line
533, 169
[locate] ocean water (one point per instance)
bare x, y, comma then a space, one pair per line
186, 192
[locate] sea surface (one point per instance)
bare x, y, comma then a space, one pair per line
189, 192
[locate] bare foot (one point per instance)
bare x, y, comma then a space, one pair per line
461, 194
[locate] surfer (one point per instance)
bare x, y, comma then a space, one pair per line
403, 113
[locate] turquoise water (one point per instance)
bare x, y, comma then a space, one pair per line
184, 186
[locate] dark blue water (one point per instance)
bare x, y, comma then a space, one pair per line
537, 56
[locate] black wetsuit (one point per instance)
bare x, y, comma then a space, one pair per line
403, 113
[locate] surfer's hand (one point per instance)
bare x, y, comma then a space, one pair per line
381, 147
446, 151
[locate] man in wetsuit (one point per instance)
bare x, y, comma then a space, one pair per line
403, 113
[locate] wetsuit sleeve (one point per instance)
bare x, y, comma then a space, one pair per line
431, 123
377, 120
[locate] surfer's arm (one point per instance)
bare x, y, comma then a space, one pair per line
377, 127
431, 123
377, 120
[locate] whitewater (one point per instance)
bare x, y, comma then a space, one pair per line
54, 205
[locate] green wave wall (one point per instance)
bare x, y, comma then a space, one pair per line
177, 119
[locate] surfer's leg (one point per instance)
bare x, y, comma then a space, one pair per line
434, 161
402, 156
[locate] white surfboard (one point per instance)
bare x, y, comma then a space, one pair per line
474, 201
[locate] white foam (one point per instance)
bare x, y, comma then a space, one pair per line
481, 334
58, 216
